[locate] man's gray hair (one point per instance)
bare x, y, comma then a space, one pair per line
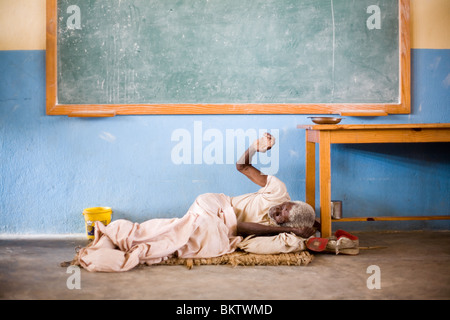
301, 215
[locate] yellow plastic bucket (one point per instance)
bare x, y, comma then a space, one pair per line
102, 214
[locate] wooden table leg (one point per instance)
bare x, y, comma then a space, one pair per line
310, 174
325, 183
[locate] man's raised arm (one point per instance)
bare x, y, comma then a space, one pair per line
244, 164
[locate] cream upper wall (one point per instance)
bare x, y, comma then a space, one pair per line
430, 24
23, 24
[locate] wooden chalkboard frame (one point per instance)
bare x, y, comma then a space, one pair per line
105, 110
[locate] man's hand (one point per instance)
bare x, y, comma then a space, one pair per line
266, 142
304, 232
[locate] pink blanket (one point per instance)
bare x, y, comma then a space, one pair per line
208, 229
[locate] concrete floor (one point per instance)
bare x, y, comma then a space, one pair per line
414, 265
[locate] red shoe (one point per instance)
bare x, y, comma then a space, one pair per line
317, 244
341, 233
344, 243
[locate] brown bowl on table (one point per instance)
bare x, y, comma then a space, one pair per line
325, 120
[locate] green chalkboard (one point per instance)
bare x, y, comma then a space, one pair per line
119, 52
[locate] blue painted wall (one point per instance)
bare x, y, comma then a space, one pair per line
52, 167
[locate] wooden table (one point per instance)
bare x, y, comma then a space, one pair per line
325, 135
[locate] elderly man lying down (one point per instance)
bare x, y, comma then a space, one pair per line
213, 225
